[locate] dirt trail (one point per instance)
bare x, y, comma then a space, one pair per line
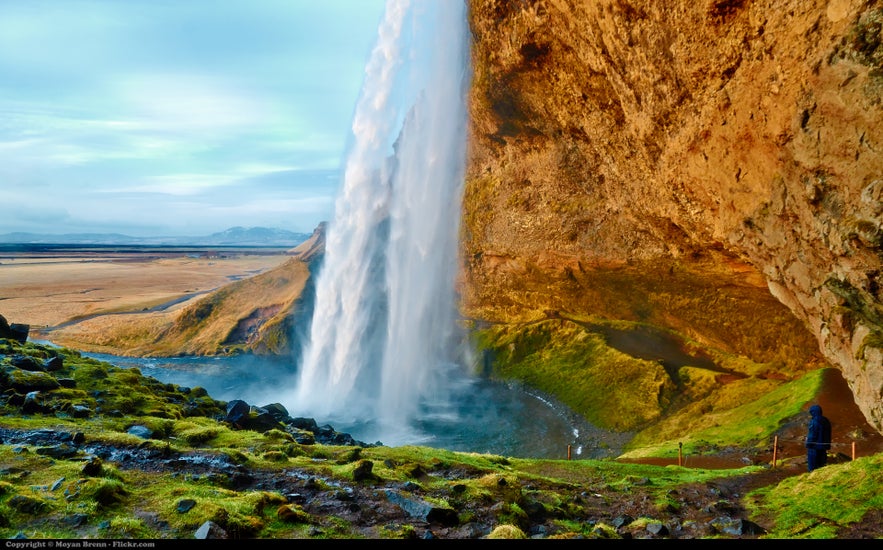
848, 425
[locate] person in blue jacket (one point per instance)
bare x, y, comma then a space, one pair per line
818, 439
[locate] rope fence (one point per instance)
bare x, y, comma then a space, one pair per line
776, 449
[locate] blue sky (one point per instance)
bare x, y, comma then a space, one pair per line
176, 117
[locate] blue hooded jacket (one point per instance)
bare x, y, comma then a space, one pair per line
818, 436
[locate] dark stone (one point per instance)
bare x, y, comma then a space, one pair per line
81, 411
26, 505
185, 505
362, 471
32, 404
19, 332
444, 516
93, 467
263, 422
657, 528
277, 411
237, 412
58, 451
622, 521
26, 362
53, 364
76, 520
301, 423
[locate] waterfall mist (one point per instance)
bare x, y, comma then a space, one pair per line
384, 348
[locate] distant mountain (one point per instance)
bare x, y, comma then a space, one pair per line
235, 236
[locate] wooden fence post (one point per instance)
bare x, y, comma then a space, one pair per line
680, 454
568, 452
775, 448
853, 450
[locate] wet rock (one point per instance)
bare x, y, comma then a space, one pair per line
76, 520
301, 423
81, 411
140, 431
237, 412
423, 510
277, 411
262, 422
735, 526
53, 364
63, 451
185, 505
26, 362
657, 529
15, 331
33, 404
210, 530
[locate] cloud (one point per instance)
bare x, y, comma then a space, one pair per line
115, 111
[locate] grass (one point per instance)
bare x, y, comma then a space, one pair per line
816, 505
617, 391
44, 497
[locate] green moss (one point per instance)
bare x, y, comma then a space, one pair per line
36, 490
609, 388
507, 532
819, 504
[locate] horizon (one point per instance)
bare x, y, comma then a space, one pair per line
116, 233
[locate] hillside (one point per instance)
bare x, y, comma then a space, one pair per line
257, 314
93, 451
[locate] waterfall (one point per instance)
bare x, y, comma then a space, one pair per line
384, 348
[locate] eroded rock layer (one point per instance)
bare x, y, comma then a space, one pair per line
646, 160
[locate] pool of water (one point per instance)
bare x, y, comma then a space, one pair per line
484, 417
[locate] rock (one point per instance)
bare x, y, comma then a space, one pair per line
578, 105
423, 510
237, 412
363, 470
185, 505
53, 364
26, 362
14, 331
140, 431
210, 530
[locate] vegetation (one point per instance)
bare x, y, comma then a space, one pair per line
48, 490
677, 399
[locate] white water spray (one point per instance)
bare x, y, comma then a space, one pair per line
383, 346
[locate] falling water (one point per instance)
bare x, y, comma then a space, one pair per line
384, 348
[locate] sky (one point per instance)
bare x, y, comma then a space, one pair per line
177, 117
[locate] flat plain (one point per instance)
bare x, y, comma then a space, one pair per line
47, 288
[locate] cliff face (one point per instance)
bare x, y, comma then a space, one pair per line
682, 161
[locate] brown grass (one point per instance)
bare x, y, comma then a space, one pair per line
51, 291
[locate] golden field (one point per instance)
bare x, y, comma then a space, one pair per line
48, 290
